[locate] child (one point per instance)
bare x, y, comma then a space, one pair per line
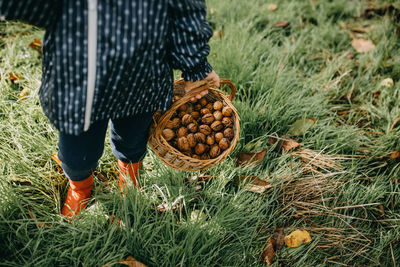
113, 60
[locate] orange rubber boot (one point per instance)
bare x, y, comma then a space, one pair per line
128, 169
77, 196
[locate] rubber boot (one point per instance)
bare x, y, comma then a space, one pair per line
128, 169
77, 196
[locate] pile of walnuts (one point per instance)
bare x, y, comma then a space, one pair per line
201, 129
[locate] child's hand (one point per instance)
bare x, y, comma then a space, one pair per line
212, 79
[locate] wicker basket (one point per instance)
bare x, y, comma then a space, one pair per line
173, 157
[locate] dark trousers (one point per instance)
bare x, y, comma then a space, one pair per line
80, 154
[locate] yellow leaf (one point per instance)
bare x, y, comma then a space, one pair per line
362, 46
132, 262
297, 238
24, 93
272, 7
388, 82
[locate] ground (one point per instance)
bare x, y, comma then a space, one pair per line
297, 60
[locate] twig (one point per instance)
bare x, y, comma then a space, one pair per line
356, 206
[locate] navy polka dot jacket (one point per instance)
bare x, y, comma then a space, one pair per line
113, 58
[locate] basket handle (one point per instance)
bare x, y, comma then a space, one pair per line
231, 86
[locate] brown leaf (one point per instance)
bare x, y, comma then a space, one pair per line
269, 252
251, 158
254, 184
218, 34
362, 46
37, 45
272, 7
285, 144
14, 77
279, 238
394, 124
282, 24
132, 262
394, 155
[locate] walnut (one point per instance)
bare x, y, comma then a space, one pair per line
224, 143
210, 140
209, 106
228, 133
227, 111
215, 151
173, 124
199, 149
205, 129
218, 137
191, 140
205, 111
200, 137
217, 126
195, 114
227, 122
218, 115
182, 108
218, 105
182, 132
187, 119
203, 101
168, 134
183, 144
192, 127
207, 119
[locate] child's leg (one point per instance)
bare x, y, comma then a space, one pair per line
79, 156
129, 143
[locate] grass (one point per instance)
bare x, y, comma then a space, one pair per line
341, 185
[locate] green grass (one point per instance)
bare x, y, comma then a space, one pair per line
347, 197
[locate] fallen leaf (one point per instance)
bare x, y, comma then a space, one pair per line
394, 124
24, 93
381, 210
388, 82
218, 34
394, 155
362, 46
131, 262
297, 238
197, 215
253, 145
197, 179
272, 7
301, 126
212, 11
170, 206
282, 24
14, 77
254, 184
251, 158
279, 238
37, 45
285, 143
269, 252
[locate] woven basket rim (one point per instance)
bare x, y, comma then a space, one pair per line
160, 123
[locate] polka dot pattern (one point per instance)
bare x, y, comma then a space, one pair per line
139, 42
